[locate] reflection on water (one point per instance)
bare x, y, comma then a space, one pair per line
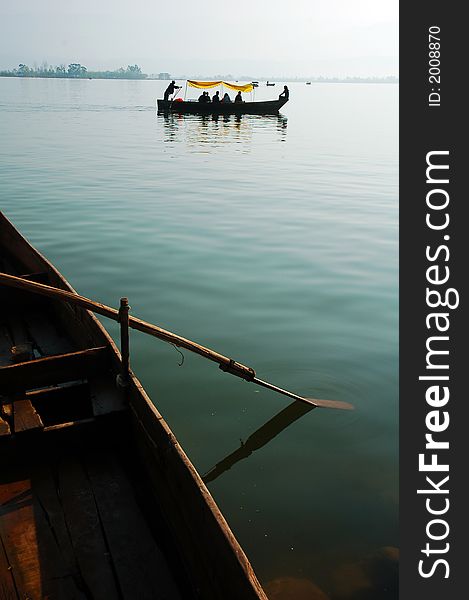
205, 132
376, 577
260, 437
291, 588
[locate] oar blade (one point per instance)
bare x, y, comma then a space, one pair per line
337, 404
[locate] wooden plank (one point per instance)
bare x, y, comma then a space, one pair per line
53, 390
141, 567
7, 583
25, 417
18, 534
85, 530
36, 563
69, 424
45, 490
57, 578
7, 409
60, 572
47, 337
4, 430
106, 398
54, 369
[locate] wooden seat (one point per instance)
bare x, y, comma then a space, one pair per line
50, 370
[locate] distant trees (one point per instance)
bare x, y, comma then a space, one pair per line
23, 70
74, 71
135, 69
131, 72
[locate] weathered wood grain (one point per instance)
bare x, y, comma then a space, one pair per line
85, 530
7, 584
4, 428
140, 566
25, 417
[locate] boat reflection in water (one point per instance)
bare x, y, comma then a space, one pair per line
374, 577
260, 438
207, 132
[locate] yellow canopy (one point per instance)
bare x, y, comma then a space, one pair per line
211, 84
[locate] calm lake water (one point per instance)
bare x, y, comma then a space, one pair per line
270, 239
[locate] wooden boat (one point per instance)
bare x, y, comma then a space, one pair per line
270, 84
97, 498
269, 107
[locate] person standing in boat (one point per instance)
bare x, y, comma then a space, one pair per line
216, 97
238, 98
226, 98
285, 94
170, 90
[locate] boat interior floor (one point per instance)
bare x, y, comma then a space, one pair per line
76, 520
51, 374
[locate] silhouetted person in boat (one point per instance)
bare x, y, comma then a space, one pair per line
238, 97
226, 98
170, 90
204, 97
216, 97
285, 94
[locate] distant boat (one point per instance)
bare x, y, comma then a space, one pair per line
269, 107
178, 105
308, 83
255, 84
270, 84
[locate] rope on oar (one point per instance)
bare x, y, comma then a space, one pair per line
225, 363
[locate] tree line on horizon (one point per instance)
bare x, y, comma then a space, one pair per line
74, 71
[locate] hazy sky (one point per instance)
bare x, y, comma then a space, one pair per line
254, 37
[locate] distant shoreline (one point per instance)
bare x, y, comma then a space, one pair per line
73, 71
261, 80
88, 76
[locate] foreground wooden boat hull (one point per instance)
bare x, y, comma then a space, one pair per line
76, 470
270, 107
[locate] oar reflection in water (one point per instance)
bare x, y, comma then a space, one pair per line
260, 438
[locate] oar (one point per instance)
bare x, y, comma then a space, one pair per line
226, 364
174, 95
317, 402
